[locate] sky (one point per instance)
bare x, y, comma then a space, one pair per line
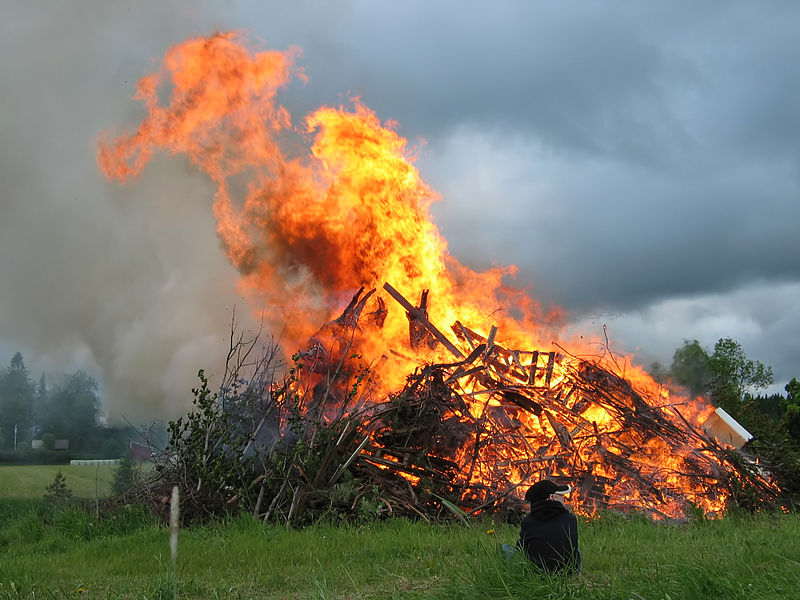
638, 161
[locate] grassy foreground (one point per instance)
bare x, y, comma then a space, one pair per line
68, 553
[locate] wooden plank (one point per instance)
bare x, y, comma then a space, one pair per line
474, 355
549, 375
561, 432
463, 367
420, 316
515, 359
462, 334
490, 341
459, 373
522, 401
534, 366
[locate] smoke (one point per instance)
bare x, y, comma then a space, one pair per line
128, 283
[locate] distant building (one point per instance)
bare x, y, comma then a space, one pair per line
140, 451
60, 444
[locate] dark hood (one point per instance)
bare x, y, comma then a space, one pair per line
544, 510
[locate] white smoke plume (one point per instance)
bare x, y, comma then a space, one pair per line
127, 283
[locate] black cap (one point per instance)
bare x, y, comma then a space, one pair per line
541, 490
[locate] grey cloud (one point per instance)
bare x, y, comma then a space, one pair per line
597, 234
763, 317
692, 86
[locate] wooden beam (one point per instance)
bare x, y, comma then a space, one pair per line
420, 316
549, 375
534, 361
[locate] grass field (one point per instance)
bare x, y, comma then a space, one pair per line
70, 553
75, 552
31, 481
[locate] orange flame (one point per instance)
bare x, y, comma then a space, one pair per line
315, 225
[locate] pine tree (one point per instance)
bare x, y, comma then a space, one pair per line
16, 404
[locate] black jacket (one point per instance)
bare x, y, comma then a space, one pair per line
549, 537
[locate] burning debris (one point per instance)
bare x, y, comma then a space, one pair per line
495, 420
473, 432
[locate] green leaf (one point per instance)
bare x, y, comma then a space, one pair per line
460, 514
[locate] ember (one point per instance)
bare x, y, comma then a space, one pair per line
474, 415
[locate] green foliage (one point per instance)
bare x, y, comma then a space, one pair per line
690, 367
72, 410
271, 451
55, 527
49, 440
734, 374
28, 481
793, 391
58, 492
126, 476
737, 559
781, 445
207, 459
774, 421
790, 422
726, 375
16, 405
771, 407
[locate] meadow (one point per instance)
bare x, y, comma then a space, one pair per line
74, 552
31, 481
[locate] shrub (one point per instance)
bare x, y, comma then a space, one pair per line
126, 475
58, 492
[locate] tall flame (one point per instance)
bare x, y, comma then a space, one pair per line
312, 226
311, 213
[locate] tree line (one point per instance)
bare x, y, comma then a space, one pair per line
68, 409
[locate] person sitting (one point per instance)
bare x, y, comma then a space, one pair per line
549, 534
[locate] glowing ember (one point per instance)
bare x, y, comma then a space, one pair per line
351, 211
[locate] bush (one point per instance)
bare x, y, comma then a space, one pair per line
206, 459
58, 492
126, 476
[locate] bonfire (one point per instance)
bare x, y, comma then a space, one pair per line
462, 398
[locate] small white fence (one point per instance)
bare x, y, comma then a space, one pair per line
94, 462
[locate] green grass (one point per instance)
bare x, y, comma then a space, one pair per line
31, 481
70, 554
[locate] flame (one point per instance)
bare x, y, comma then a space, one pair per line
313, 212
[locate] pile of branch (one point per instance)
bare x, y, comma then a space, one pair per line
472, 433
429, 442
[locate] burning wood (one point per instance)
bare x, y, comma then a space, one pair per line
480, 429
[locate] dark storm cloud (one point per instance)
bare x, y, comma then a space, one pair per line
593, 234
629, 80
570, 76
